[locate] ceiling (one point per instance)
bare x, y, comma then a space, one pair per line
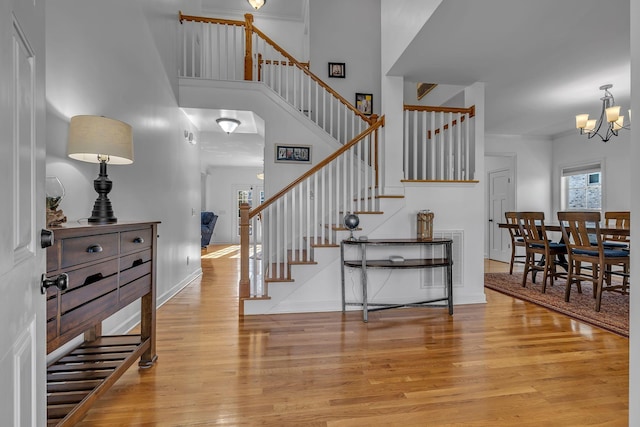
243, 147
542, 61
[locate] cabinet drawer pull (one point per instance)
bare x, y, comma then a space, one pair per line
94, 249
138, 240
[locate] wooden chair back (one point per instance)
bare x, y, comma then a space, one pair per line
512, 219
575, 230
532, 229
619, 220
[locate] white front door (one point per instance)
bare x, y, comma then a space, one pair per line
22, 213
499, 240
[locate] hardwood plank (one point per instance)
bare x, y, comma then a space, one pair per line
503, 363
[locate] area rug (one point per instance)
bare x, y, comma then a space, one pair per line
614, 311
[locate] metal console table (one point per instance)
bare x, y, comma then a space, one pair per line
364, 263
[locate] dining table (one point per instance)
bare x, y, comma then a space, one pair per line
555, 227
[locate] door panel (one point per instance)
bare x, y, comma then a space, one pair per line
22, 150
499, 241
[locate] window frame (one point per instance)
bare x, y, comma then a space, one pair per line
582, 168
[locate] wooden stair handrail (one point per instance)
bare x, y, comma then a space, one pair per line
304, 66
438, 109
209, 20
379, 123
300, 65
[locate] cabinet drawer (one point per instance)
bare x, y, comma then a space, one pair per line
79, 250
135, 240
52, 257
92, 273
70, 300
134, 260
85, 315
134, 290
131, 274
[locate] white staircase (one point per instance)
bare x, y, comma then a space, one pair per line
300, 227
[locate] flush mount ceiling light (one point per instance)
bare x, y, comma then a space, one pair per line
257, 4
609, 117
228, 125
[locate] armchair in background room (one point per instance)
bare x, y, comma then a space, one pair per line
207, 224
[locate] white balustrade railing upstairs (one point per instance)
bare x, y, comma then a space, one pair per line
222, 49
439, 144
307, 213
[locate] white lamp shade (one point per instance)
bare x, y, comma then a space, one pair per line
257, 4
228, 125
581, 120
613, 113
590, 126
93, 136
618, 124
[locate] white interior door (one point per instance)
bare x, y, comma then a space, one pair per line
251, 194
499, 240
22, 213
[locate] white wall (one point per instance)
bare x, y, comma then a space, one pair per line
221, 183
102, 60
347, 32
533, 169
575, 149
402, 20
282, 123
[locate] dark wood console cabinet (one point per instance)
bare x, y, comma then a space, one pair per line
108, 268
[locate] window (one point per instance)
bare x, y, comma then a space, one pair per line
581, 187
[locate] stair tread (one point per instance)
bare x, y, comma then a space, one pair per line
277, 279
266, 297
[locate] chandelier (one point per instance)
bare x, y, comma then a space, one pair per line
610, 119
257, 4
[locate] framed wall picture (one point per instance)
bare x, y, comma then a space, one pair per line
337, 69
364, 103
293, 153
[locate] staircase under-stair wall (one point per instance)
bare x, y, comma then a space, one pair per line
296, 267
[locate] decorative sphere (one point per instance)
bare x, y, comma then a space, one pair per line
351, 221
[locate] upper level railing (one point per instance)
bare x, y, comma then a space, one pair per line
439, 144
308, 212
223, 49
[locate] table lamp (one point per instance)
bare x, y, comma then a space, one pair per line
97, 139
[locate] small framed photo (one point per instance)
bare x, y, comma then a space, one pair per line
364, 103
337, 69
293, 153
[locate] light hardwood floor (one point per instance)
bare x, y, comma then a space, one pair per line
503, 363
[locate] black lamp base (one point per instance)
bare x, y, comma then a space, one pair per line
102, 210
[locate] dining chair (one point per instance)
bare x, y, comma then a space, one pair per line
620, 220
516, 240
534, 233
576, 230
617, 220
